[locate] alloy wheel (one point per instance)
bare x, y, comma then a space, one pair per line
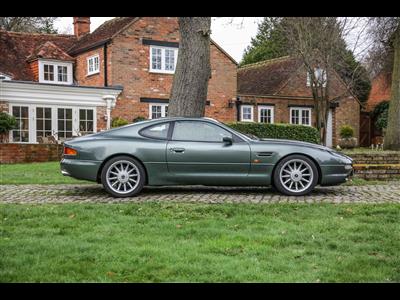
296, 175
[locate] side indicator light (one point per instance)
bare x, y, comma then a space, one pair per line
70, 151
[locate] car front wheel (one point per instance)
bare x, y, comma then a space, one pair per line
123, 176
295, 175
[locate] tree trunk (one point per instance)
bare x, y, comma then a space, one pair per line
392, 137
189, 89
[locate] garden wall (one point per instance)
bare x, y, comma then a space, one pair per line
24, 153
377, 166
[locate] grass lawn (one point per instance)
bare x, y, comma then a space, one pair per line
366, 150
49, 173
165, 242
34, 173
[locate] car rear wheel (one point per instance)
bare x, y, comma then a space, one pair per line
295, 175
123, 176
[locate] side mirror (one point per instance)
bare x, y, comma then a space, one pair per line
227, 140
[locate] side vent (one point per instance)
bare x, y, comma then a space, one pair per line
264, 154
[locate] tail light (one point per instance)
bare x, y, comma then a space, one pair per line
70, 151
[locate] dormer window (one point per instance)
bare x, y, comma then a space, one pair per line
55, 72
93, 64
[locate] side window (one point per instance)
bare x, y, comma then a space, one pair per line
158, 131
199, 132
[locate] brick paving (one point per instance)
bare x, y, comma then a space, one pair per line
94, 193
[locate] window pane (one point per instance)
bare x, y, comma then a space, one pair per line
16, 111
82, 114
159, 131
47, 124
39, 112
47, 113
60, 113
198, 131
156, 58
89, 114
60, 125
39, 125
69, 125
24, 112
169, 60
68, 113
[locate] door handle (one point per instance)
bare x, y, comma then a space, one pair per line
177, 150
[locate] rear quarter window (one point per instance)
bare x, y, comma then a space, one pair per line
158, 131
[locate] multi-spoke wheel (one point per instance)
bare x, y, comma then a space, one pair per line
296, 175
123, 176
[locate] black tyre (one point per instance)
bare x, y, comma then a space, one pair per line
123, 176
295, 175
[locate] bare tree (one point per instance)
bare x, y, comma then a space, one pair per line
386, 32
318, 42
193, 70
28, 24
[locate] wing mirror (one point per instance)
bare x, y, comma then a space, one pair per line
227, 140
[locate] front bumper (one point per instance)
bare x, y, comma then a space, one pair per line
80, 169
334, 175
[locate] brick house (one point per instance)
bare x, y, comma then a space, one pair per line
66, 85
278, 91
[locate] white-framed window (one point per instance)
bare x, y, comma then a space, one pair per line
163, 59
93, 64
62, 122
43, 122
246, 113
55, 72
158, 110
300, 115
86, 121
320, 76
21, 133
265, 114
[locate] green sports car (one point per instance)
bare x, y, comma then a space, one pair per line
199, 151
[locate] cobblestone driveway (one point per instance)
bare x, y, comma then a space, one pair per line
93, 193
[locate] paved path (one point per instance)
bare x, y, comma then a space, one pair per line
93, 193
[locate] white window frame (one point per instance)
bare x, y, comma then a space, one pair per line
316, 75
271, 108
163, 105
252, 113
301, 109
55, 65
92, 58
162, 70
54, 119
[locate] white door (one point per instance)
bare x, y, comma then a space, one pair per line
329, 130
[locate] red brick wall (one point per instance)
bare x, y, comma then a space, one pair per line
4, 106
81, 68
23, 153
348, 113
128, 65
380, 91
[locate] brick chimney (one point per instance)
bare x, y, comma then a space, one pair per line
81, 26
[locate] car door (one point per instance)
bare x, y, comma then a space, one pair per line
196, 154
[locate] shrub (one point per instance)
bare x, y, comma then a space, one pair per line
346, 131
117, 122
380, 113
7, 122
279, 131
138, 119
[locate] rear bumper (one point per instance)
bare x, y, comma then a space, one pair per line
80, 169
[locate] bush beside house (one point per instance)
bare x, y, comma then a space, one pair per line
279, 131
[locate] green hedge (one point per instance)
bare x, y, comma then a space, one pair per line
279, 131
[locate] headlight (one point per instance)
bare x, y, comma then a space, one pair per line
348, 167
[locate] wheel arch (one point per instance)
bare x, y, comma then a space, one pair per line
298, 153
98, 177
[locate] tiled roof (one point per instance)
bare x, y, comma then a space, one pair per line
16, 47
266, 77
50, 51
102, 34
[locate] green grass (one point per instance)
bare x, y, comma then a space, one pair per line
35, 173
166, 242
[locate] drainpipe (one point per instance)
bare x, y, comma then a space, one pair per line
238, 109
105, 64
110, 102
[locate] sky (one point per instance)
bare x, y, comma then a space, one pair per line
233, 34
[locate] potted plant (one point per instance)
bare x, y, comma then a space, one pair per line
347, 137
7, 123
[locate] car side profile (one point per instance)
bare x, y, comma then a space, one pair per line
199, 151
